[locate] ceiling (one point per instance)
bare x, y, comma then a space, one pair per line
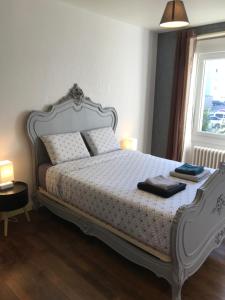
147, 13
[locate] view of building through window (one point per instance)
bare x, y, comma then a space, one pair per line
213, 115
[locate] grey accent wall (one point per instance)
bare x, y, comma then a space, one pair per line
164, 83
163, 92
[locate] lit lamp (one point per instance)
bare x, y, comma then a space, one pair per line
129, 144
6, 174
175, 15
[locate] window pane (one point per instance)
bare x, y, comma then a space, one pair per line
213, 115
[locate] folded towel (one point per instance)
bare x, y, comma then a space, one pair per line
162, 182
161, 192
189, 169
195, 178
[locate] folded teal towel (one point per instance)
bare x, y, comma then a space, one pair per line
190, 169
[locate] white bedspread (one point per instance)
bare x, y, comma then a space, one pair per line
105, 186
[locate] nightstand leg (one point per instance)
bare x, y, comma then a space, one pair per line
5, 225
27, 215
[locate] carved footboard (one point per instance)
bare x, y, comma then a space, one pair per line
198, 229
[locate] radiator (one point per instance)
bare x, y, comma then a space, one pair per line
208, 157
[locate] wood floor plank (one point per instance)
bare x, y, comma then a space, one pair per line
51, 259
6, 293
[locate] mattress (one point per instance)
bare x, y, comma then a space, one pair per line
105, 187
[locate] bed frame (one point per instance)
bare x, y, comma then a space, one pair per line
197, 229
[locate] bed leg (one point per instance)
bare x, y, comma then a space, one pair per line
176, 291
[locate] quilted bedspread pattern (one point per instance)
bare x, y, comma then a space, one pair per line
105, 186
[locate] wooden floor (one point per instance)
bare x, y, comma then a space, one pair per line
51, 259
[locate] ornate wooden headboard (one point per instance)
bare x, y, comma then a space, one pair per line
74, 112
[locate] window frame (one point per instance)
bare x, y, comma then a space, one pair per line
199, 88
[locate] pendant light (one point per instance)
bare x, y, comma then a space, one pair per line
175, 15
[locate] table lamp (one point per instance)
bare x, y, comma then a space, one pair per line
129, 144
6, 174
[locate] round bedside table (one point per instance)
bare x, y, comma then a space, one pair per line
13, 199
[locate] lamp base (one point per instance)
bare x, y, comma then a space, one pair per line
5, 186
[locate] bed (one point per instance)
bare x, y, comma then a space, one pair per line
171, 237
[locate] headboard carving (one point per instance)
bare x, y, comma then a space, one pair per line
73, 112
75, 93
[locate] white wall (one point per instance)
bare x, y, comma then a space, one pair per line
46, 46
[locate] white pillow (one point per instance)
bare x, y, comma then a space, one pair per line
101, 140
65, 147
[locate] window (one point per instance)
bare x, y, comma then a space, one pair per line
211, 80
205, 118
208, 91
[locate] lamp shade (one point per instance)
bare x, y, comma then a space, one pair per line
129, 144
6, 174
174, 15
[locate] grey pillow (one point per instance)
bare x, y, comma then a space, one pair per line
65, 147
101, 140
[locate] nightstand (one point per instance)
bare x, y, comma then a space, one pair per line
12, 202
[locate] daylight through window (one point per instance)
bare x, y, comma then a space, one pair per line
213, 96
